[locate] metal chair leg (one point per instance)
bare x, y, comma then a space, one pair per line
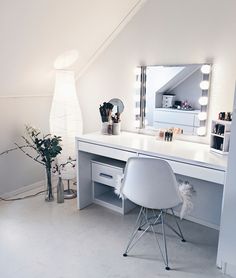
177, 224
144, 223
164, 240
136, 229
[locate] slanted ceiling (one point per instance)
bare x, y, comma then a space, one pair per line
35, 32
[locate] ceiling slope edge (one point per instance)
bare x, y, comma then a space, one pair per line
125, 20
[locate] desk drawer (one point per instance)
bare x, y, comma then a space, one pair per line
194, 171
105, 174
105, 151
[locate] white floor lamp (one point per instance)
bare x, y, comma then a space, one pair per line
66, 121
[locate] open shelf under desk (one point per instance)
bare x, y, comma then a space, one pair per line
109, 198
105, 196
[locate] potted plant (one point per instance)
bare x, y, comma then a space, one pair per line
46, 148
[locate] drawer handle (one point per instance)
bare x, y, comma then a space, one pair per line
106, 176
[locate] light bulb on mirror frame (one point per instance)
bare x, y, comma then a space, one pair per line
136, 97
136, 111
202, 116
136, 123
204, 85
203, 101
206, 69
137, 85
137, 71
201, 131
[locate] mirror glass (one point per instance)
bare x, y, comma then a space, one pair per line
118, 105
174, 97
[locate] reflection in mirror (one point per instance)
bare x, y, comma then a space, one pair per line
173, 97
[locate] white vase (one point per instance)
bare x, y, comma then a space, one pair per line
104, 129
116, 128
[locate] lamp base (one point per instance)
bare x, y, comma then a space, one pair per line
70, 193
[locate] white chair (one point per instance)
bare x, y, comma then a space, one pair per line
151, 184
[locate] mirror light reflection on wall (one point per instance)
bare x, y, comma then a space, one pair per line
185, 88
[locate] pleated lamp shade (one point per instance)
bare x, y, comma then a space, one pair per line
65, 117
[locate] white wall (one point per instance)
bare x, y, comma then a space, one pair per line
33, 35
164, 32
227, 240
17, 170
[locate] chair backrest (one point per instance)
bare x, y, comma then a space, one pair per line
150, 183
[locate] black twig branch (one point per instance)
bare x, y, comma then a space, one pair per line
34, 158
14, 149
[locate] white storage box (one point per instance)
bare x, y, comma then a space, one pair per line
167, 101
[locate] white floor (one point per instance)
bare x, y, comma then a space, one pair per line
42, 240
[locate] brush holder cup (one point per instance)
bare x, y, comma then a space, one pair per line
106, 128
116, 128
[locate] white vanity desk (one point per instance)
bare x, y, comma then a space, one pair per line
190, 161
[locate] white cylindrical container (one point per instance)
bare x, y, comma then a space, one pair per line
104, 129
116, 128
167, 101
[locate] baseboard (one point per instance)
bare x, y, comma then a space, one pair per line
200, 221
26, 188
23, 189
203, 222
36, 185
228, 269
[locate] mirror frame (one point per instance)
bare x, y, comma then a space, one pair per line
140, 95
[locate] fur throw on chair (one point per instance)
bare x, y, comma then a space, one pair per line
185, 189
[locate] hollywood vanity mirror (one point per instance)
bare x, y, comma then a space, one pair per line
172, 96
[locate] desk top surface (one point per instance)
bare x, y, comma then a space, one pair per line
182, 151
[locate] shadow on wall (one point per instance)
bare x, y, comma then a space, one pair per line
17, 170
